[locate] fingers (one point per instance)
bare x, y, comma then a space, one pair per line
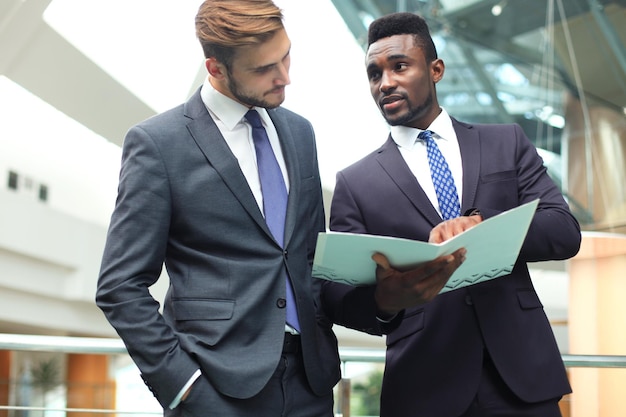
422, 271
397, 290
445, 265
450, 228
439, 233
434, 276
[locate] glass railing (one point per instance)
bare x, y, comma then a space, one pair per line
33, 389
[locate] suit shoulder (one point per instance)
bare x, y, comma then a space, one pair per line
292, 124
289, 115
363, 164
177, 116
497, 132
160, 128
166, 118
487, 127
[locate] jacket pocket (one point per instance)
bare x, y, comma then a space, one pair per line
528, 299
202, 321
195, 309
499, 176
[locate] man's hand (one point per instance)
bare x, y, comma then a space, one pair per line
397, 290
450, 228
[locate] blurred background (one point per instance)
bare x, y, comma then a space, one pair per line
75, 75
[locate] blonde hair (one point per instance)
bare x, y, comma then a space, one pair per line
224, 25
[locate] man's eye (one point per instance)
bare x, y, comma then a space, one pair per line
372, 76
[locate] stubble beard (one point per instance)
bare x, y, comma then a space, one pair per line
252, 101
412, 114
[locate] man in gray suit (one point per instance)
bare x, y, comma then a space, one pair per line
190, 197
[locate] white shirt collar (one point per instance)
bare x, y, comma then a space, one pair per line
405, 136
229, 111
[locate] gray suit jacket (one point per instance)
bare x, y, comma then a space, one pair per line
184, 201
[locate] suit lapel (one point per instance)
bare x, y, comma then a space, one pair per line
469, 145
393, 163
212, 144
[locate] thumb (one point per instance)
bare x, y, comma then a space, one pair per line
381, 260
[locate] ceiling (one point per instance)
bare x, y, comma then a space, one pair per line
512, 66
68, 71
506, 61
511, 61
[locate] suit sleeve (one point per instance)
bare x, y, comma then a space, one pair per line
554, 233
352, 307
132, 262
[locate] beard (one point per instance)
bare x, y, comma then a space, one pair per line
251, 100
412, 114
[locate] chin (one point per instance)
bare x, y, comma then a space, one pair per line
271, 102
393, 121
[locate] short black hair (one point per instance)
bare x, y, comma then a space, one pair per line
403, 23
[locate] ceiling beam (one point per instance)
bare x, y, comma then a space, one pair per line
37, 58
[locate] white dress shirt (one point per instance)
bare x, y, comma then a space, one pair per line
413, 150
229, 118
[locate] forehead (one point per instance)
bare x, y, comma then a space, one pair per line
267, 53
393, 47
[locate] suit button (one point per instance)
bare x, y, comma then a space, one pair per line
281, 303
285, 254
468, 300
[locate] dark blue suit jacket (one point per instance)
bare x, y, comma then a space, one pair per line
434, 357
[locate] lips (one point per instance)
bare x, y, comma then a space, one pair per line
390, 102
390, 99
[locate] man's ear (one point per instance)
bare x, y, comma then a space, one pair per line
437, 68
215, 68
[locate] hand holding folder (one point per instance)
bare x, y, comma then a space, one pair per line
492, 249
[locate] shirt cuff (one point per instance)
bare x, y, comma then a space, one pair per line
189, 383
387, 320
472, 212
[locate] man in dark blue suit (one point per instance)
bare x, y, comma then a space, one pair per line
485, 350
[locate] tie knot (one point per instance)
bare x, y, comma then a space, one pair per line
253, 118
425, 135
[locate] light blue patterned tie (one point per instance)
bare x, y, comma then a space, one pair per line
447, 196
274, 198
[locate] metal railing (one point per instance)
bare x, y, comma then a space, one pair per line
116, 346
84, 345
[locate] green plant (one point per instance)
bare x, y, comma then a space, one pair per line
367, 395
45, 375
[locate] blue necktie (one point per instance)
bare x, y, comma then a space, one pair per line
447, 196
274, 198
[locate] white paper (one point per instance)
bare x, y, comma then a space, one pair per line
492, 249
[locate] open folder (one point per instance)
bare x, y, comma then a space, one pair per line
492, 249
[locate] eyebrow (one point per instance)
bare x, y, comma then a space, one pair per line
397, 56
371, 67
394, 57
263, 68
273, 64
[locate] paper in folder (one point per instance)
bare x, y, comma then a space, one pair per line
492, 249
